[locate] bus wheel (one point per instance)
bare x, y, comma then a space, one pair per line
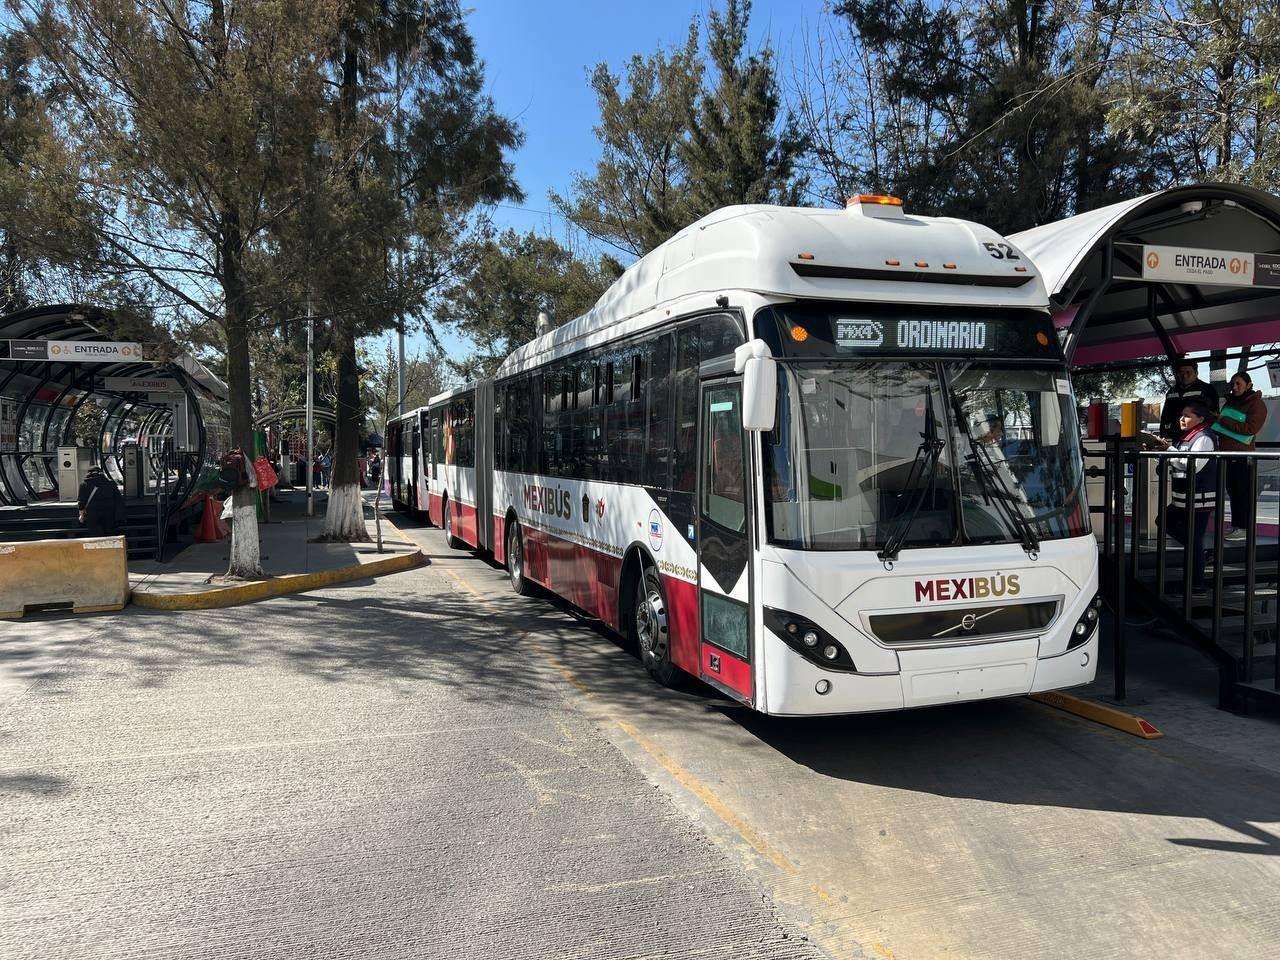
450, 527
649, 628
515, 561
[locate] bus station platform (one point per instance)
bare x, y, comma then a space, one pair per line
291, 559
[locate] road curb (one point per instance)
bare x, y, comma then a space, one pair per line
275, 587
1099, 713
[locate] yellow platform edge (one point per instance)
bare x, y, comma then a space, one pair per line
1099, 713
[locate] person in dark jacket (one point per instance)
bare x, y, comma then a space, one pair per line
1187, 387
1200, 484
1237, 427
101, 506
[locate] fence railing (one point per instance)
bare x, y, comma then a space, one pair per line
1130, 524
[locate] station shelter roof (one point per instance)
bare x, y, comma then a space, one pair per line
1187, 269
55, 391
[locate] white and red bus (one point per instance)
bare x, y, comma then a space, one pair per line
824, 460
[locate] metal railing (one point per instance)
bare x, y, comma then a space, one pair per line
1126, 543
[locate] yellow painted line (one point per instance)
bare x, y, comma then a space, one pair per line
1099, 713
704, 793
276, 586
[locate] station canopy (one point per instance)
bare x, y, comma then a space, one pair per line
75, 375
1188, 269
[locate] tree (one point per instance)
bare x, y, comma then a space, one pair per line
182, 129
673, 150
517, 276
435, 149
638, 195
995, 112
42, 220
1198, 78
425, 375
739, 148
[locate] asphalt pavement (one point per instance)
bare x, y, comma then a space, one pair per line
370, 771
430, 766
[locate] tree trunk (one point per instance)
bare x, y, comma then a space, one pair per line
246, 559
344, 516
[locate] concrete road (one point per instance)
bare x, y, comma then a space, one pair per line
1005, 829
380, 770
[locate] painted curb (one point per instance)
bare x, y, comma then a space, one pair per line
1099, 713
279, 586
276, 586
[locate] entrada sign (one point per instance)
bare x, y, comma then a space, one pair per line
1230, 268
74, 351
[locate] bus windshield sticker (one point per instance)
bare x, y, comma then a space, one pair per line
722, 406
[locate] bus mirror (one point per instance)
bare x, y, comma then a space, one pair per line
759, 394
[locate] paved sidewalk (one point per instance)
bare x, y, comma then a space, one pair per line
287, 548
1174, 686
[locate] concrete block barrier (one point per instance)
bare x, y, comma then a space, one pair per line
83, 576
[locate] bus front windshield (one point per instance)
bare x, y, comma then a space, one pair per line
922, 454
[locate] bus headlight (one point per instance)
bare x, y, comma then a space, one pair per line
1086, 625
809, 640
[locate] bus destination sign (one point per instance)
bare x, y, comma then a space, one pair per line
933, 336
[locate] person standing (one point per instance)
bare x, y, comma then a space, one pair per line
101, 505
1237, 427
1201, 486
1187, 387
375, 469
326, 463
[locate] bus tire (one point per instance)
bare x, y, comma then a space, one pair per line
515, 560
451, 539
649, 630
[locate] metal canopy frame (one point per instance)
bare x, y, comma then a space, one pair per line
46, 390
1078, 257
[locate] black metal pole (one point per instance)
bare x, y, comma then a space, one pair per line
1120, 639
1219, 518
1250, 570
1189, 537
1162, 523
1109, 455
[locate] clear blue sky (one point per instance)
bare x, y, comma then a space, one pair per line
537, 57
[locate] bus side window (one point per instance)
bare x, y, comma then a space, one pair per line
686, 409
719, 336
658, 388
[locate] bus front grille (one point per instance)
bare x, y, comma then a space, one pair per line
953, 625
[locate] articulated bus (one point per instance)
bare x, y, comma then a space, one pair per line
826, 461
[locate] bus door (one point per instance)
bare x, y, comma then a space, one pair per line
723, 542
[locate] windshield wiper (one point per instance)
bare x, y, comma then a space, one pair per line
920, 478
984, 470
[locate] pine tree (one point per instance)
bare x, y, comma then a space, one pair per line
740, 148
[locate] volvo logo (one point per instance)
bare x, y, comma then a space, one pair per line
968, 622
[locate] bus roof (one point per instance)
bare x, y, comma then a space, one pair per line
877, 255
